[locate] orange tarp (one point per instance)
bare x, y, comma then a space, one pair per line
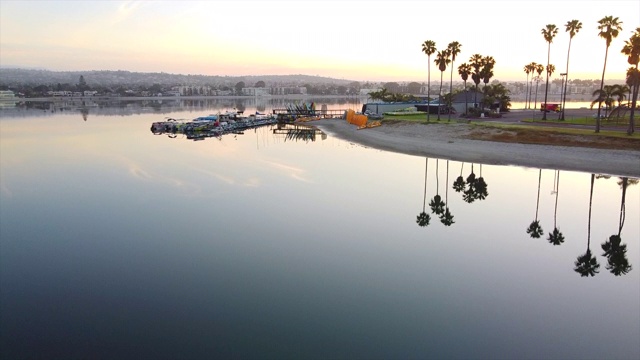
356, 119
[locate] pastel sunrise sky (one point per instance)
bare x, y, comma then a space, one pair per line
356, 40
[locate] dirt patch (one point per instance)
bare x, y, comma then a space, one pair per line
528, 136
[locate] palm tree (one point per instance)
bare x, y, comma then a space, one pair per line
556, 237
572, 27
488, 63
464, 70
442, 60
587, 265
429, 48
631, 48
476, 64
539, 70
548, 32
454, 50
424, 218
609, 28
535, 230
528, 70
608, 96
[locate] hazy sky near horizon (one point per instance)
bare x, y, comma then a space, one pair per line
347, 39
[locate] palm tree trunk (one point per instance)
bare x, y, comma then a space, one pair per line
440, 95
429, 89
466, 106
526, 91
636, 87
450, 91
566, 78
546, 89
604, 68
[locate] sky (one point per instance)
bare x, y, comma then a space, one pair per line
347, 39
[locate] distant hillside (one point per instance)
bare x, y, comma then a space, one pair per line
15, 76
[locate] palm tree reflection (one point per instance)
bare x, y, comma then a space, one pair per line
614, 250
480, 187
477, 187
535, 230
459, 184
424, 218
469, 194
436, 204
556, 237
446, 217
587, 265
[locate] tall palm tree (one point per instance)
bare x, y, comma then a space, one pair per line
535, 230
476, 63
464, 70
572, 27
609, 28
429, 48
587, 264
556, 237
442, 60
631, 48
548, 32
454, 50
424, 218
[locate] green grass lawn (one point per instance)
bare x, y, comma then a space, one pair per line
561, 130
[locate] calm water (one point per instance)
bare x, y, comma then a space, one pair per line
116, 243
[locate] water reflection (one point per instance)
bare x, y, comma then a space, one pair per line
556, 237
266, 233
614, 250
165, 106
535, 229
587, 264
423, 218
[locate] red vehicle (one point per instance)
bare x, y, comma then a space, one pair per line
550, 107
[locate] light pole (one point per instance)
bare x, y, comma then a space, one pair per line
562, 97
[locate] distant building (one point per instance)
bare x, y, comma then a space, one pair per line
7, 95
253, 91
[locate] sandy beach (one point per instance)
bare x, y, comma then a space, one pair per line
457, 141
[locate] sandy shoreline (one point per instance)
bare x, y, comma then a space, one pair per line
449, 142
